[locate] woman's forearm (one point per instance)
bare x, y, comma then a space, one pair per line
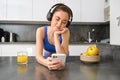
59, 48
41, 60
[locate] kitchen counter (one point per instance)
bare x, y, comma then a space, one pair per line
108, 69
71, 43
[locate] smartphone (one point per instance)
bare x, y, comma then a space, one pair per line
61, 57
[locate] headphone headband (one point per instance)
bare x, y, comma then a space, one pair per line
50, 13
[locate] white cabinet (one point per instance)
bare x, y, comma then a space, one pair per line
114, 22
40, 10
76, 50
36, 10
19, 10
2, 9
92, 11
12, 49
75, 6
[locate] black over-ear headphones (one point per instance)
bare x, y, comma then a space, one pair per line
50, 13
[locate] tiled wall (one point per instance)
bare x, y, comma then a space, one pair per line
79, 32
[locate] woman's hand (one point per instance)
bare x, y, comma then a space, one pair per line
56, 65
61, 31
57, 33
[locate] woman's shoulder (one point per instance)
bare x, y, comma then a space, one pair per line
41, 28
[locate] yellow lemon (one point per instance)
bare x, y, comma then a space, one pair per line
92, 50
85, 54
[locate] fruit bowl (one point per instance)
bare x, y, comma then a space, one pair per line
90, 59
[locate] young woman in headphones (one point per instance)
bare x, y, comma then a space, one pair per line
54, 38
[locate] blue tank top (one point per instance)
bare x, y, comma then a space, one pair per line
46, 45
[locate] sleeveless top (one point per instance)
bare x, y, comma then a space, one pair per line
46, 45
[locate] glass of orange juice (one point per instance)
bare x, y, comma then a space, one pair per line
22, 57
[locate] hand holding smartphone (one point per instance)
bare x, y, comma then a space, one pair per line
61, 57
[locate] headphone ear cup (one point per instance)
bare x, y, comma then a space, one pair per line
68, 24
49, 16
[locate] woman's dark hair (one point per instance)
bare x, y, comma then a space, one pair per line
63, 8
58, 7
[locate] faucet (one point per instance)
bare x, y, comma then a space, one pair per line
89, 38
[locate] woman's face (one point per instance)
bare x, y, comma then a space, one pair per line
59, 20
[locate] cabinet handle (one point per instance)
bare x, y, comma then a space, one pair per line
118, 18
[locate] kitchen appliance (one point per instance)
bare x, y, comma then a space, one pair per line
13, 37
107, 10
10, 36
6, 36
107, 13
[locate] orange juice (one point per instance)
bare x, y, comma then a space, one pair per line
22, 58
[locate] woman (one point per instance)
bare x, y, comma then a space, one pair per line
54, 38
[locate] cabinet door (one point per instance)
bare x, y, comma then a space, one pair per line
19, 10
2, 9
114, 22
75, 6
41, 8
11, 50
92, 11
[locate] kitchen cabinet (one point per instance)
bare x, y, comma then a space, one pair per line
83, 10
40, 10
92, 11
12, 49
35, 10
75, 6
114, 22
19, 10
2, 9
76, 50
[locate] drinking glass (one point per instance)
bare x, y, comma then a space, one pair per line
22, 57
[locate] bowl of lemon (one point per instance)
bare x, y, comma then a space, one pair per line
91, 55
